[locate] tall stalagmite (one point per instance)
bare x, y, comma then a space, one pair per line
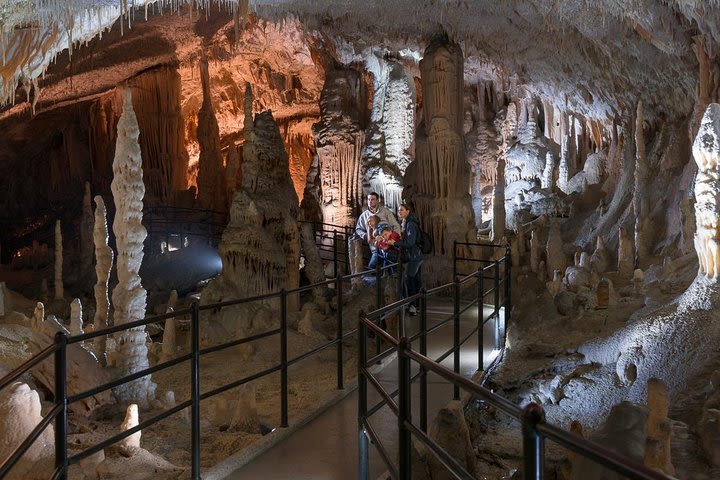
260, 246
129, 297
103, 264
340, 137
211, 175
441, 197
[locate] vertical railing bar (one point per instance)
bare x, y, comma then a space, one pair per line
456, 335
195, 390
283, 360
404, 410
508, 281
454, 262
533, 442
378, 303
423, 370
339, 333
61, 420
363, 454
480, 318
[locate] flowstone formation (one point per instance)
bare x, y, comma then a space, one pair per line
260, 245
439, 174
129, 297
388, 151
339, 138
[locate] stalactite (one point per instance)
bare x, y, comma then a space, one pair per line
129, 297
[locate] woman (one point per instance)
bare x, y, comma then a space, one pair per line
411, 254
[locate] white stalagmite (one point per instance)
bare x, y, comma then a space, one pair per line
547, 177
131, 443
129, 297
59, 290
564, 168
169, 342
103, 265
38, 316
76, 323
86, 239
706, 150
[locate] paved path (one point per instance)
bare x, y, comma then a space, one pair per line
326, 448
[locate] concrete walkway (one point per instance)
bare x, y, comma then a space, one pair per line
327, 447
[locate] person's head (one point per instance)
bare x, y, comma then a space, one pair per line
373, 221
373, 200
404, 211
386, 232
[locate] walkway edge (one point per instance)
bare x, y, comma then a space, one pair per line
240, 459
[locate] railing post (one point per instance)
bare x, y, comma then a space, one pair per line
283, 360
423, 351
378, 302
400, 297
195, 389
454, 261
496, 289
404, 411
335, 254
480, 317
339, 336
508, 281
456, 335
61, 420
533, 442
363, 454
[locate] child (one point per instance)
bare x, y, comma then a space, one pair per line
373, 222
388, 252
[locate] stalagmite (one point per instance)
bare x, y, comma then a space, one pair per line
211, 175
103, 265
130, 444
554, 250
564, 167
38, 316
76, 322
339, 138
441, 197
313, 262
534, 251
169, 341
129, 297
498, 221
547, 178
599, 259
625, 255
706, 151
20, 412
59, 290
86, 239
659, 428
640, 194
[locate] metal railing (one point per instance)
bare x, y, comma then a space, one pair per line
59, 412
532, 417
176, 226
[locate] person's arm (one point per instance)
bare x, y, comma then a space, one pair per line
391, 220
411, 237
361, 226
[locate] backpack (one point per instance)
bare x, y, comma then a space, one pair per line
425, 242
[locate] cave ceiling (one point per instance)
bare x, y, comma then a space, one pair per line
596, 57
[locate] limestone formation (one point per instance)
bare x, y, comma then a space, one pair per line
76, 321
659, 429
640, 194
86, 239
449, 429
129, 297
626, 260
555, 285
130, 444
59, 290
442, 201
313, 262
387, 151
599, 259
169, 340
706, 151
554, 250
20, 412
548, 172
534, 251
211, 175
103, 265
603, 294
339, 138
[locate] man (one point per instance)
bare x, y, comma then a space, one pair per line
363, 230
